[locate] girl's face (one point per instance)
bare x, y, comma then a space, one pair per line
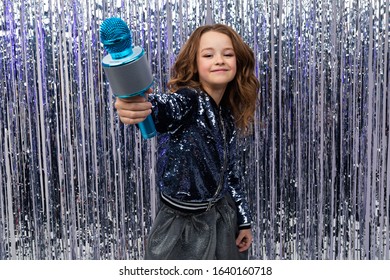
216, 61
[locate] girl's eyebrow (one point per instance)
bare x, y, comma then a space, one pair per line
211, 49
207, 49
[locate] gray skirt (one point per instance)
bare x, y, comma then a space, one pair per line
210, 235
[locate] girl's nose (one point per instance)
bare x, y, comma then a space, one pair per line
219, 59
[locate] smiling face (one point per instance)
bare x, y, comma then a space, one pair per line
216, 62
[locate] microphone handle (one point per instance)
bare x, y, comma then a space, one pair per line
147, 128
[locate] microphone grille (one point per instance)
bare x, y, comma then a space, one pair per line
115, 35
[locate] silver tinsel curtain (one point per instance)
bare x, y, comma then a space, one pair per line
77, 184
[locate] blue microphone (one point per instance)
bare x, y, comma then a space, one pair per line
126, 67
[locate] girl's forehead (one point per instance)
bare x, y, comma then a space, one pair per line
214, 38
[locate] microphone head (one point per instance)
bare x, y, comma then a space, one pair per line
116, 37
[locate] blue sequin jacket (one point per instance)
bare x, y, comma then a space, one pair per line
196, 144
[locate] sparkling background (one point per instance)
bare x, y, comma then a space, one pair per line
77, 184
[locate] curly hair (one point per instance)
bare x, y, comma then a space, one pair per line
241, 93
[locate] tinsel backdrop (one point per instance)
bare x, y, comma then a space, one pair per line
75, 183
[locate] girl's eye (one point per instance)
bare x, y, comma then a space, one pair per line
229, 54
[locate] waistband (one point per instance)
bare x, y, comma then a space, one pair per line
193, 207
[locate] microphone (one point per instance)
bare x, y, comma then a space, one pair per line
126, 67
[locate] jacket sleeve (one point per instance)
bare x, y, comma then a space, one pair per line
237, 188
171, 110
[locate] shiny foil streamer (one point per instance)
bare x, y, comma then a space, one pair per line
77, 184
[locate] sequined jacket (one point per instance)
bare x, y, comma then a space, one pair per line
197, 163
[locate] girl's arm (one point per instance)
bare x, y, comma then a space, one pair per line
237, 189
169, 111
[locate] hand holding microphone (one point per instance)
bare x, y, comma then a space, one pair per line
133, 110
128, 73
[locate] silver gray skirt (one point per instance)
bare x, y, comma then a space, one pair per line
210, 235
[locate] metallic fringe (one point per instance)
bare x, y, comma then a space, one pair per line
77, 184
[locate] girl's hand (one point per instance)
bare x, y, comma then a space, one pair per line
244, 240
133, 110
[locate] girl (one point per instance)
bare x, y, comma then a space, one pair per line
204, 212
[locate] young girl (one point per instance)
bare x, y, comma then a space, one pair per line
204, 212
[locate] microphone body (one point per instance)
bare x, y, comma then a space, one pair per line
126, 68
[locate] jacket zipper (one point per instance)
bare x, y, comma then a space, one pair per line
221, 179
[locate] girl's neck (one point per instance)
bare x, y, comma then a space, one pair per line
216, 94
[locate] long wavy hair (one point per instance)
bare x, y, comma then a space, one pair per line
241, 93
